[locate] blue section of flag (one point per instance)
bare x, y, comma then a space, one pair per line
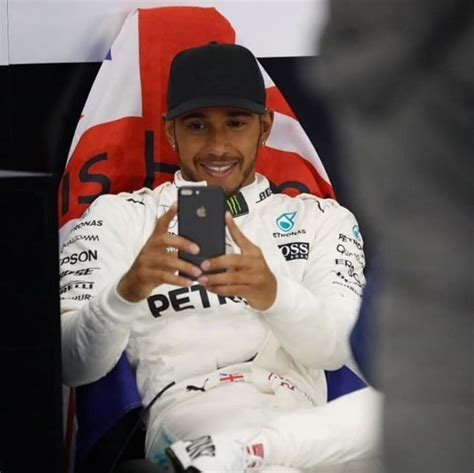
101, 404
342, 381
363, 335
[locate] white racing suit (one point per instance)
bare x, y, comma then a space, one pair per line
233, 366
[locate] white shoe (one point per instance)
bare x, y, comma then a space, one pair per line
215, 454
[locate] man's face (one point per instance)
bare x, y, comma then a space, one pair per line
219, 145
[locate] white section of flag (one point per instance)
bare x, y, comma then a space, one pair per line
288, 135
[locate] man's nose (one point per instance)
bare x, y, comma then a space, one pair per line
218, 142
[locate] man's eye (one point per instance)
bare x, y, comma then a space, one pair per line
236, 123
196, 126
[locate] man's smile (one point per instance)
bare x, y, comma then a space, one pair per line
219, 169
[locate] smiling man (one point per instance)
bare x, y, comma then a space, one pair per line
243, 345
217, 118
219, 145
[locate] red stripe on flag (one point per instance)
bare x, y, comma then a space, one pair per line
277, 102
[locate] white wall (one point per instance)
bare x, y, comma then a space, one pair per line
51, 31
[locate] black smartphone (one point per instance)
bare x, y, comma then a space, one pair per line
201, 211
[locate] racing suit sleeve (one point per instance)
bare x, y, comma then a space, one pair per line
313, 318
95, 320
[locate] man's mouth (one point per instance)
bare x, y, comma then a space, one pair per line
219, 169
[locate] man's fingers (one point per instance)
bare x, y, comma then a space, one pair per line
228, 262
163, 223
226, 278
229, 290
242, 241
166, 277
167, 240
172, 263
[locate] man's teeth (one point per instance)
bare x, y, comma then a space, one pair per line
218, 168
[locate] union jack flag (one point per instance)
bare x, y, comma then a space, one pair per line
231, 377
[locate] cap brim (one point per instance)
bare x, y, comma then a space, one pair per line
206, 102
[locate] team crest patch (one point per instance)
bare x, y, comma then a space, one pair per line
286, 221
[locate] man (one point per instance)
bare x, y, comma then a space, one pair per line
242, 346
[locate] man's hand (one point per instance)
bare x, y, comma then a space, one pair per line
158, 262
247, 275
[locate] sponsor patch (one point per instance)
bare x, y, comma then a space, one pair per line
231, 377
295, 250
77, 272
81, 237
200, 447
87, 223
82, 257
302, 231
237, 205
87, 285
264, 194
346, 238
356, 232
286, 221
81, 297
183, 298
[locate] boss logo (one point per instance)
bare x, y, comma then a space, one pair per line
297, 250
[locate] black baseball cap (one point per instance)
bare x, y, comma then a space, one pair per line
215, 75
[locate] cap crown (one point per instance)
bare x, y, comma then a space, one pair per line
214, 75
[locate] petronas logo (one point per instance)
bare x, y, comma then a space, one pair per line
286, 221
237, 205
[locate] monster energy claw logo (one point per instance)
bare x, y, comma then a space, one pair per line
286, 221
233, 205
237, 205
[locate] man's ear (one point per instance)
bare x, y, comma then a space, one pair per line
266, 123
169, 131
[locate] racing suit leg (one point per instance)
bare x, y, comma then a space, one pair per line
239, 408
343, 435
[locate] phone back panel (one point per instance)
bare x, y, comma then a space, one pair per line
201, 219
